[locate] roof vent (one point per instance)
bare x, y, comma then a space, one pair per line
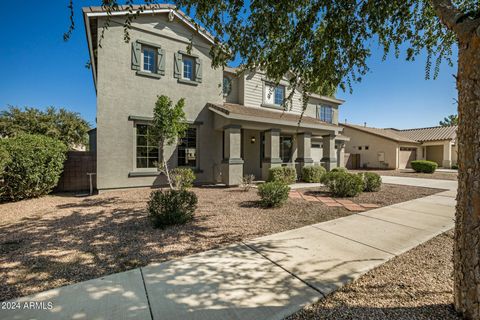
365, 124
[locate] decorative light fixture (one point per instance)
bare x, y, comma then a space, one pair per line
252, 139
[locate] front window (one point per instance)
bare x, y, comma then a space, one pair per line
148, 59
147, 152
325, 113
187, 149
286, 143
188, 68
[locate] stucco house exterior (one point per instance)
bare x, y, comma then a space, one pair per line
237, 123
391, 148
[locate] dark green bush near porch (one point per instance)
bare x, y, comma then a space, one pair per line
372, 182
424, 166
273, 194
32, 167
343, 184
286, 174
455, 166
171, 207
312, 173
339, 169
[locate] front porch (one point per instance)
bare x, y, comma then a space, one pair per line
254, 145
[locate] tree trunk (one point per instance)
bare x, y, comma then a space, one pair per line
467, 228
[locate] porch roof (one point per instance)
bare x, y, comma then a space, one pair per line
262, 114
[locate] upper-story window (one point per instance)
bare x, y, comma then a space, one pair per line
279, 94
188, 72
325, 113
274, 95
227, 85
149, 58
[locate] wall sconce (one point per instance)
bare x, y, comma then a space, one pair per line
252, 140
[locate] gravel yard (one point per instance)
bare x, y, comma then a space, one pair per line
415, 285
61, 239
410, 174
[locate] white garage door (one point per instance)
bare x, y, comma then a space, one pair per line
407, 155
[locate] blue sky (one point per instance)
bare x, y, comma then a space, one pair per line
39, 69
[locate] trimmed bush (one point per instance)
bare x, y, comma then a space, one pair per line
171, 207
372, 182
273, 194
339, 169
343, 184
313, 173
455, 166
33, 168
424, 166
286, 174
182, 178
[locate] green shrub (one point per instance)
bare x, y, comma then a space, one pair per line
182, 178
339, 169
455, 166
273, 194
372, 182
424, 166
312, 173
171, 207
343, 184
286, 174
33, 168
4, 159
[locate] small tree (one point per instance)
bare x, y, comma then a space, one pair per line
169, 125
451, 120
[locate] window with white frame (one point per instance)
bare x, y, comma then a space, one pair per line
147, 151
325, 113
188, 72
274, 95
227, 85
149, 58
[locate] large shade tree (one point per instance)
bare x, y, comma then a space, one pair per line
324, 44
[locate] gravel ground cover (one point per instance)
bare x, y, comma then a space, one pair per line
402, 173
415, 285
62, 239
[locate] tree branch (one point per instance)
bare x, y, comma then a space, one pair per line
459, 22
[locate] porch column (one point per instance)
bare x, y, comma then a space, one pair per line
329, 153
341, 154
271, 152
232, 164
447, 155
304, 155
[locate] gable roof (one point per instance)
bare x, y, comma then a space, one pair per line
429, 134
261, 113
383, 133
93, 11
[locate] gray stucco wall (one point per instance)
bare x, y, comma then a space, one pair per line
121, 93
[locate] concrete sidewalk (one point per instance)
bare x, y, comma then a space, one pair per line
265, 278
421, 182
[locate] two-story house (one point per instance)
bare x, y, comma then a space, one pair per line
237, 123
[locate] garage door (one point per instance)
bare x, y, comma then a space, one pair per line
407, 155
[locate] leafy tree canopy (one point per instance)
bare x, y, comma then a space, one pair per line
66, 126
451, 120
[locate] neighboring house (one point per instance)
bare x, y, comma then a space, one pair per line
395, 149
237, 125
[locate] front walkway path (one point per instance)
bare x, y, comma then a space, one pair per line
265, 278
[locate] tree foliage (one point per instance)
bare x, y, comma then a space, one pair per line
66, 126
451, 120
